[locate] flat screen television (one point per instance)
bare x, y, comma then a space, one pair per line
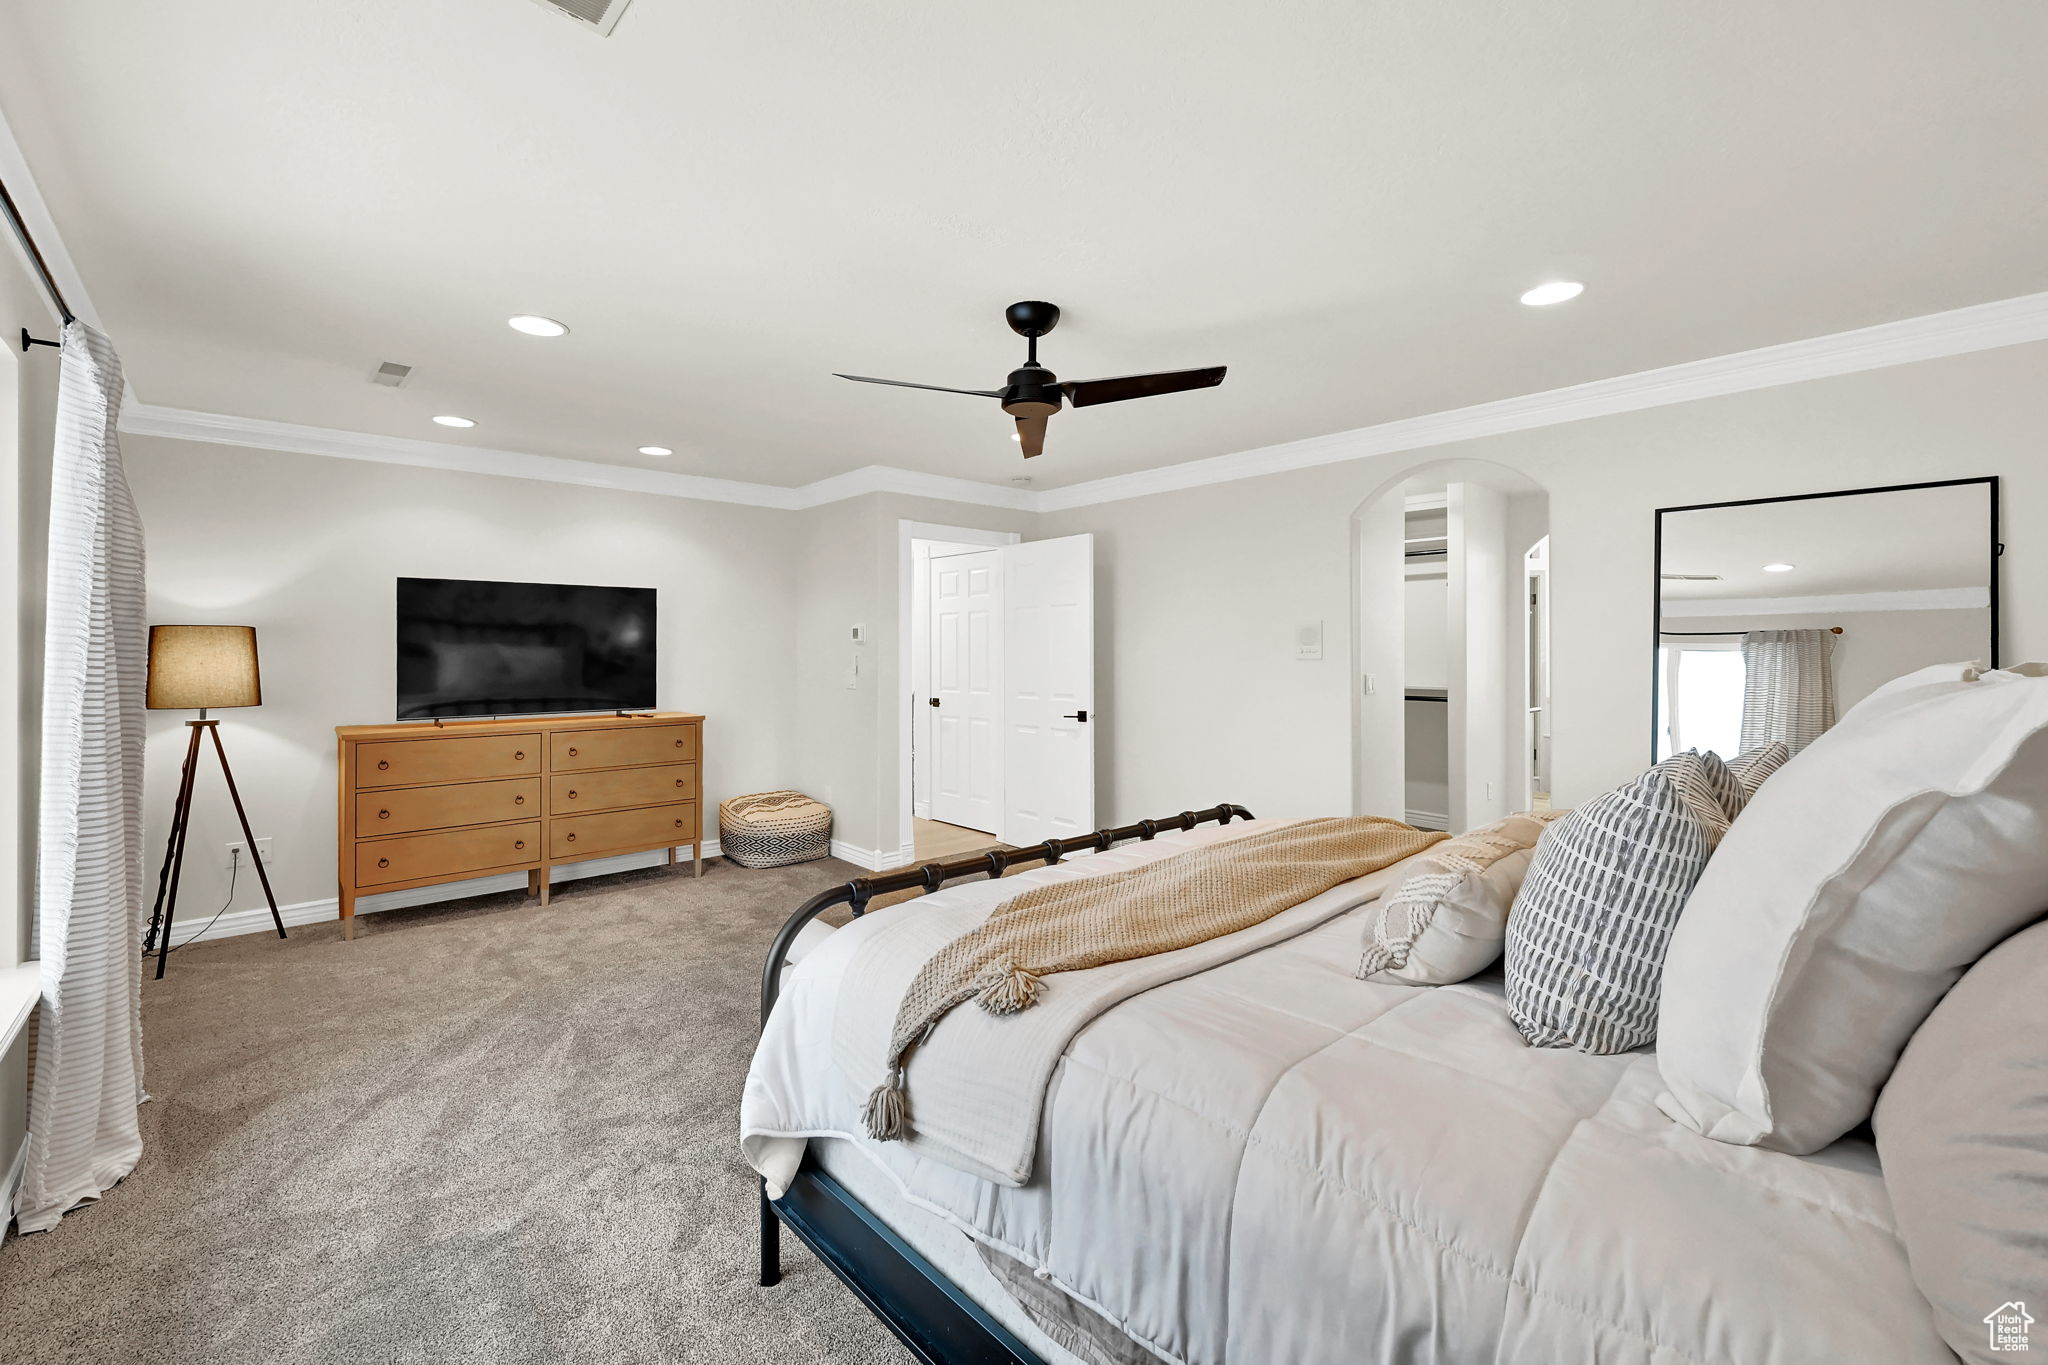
473, 648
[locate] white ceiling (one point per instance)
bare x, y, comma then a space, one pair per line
726, 203
1908, 541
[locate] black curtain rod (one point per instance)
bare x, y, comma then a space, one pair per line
35, 256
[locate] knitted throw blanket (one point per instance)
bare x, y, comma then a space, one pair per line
1176, 902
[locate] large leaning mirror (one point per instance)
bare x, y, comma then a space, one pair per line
1776, 616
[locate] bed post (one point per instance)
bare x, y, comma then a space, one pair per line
771, 1241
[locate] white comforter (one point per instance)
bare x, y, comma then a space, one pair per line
1274, 1162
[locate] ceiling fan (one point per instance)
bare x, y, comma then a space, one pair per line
1035, 393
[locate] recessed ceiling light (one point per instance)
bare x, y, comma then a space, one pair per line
1779, 568
536, 326
656, 450
1557, 291
447, 421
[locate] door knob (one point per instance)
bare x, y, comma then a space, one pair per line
934, 702
1081, 716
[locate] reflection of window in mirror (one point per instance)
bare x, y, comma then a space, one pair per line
1703, 686
1776, 616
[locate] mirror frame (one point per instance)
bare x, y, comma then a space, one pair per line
1996, 549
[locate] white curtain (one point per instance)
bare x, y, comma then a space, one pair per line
83, 1134
1788, 687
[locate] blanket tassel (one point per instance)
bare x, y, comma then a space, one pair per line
1011, 989
887, 1112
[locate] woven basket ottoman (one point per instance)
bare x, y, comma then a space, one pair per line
774, 829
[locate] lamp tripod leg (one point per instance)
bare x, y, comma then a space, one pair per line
180, 812
184, 829
247, 833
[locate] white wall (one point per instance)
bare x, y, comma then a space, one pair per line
1874, 646
307, 550
28, 405
1202, 699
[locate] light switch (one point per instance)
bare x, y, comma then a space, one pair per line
1308, 640
858, 634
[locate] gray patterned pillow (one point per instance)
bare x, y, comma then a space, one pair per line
1586, 938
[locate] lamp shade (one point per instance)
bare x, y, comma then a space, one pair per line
192, 668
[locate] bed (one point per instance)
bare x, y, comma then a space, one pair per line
1268, 1159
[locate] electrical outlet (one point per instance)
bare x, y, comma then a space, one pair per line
240, 850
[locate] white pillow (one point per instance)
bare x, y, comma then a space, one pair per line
1864, 878
1447, 919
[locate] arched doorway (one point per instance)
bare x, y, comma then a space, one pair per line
1451, 611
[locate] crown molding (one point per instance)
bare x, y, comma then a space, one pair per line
149, 419
1980, 327
882, 478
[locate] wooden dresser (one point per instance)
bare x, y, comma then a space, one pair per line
431, 802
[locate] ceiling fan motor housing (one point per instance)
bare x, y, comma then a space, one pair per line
1033, 392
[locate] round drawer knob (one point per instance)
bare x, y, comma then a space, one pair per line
572, 753
383, 765
383, 815
519, 843
679, 782
679, 824
519, 755
572, 795
518, 800
383, 862
679, 744
572, 838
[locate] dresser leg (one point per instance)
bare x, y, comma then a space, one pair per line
533, 881
671, 856
348, 916
543, 875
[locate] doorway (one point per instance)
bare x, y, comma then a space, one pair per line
997, 734
1451, 708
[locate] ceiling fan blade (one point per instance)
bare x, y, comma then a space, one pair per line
906, 384
1031, 432
1084, 393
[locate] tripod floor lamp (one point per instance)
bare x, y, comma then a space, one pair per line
200, 668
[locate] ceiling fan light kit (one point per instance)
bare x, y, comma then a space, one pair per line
1034, 393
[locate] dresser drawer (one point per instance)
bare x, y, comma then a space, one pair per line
574, 836
580, 749
441, 855
410, 762
465, 803
571, 793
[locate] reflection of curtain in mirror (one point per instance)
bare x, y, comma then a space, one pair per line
1788, 687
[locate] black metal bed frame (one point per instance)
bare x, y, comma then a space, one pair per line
932, 1316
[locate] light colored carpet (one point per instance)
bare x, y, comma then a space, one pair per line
483, 1132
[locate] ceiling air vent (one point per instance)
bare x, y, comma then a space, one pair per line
1690, 577
599, 15
391, 374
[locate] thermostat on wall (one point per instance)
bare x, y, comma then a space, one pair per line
1308, 640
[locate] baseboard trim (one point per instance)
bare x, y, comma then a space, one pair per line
1427, 819
257, 921
16, 1169
874, 860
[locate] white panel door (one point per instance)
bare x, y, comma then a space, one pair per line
967, 681
1049, 695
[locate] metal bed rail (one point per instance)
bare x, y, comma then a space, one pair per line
990, 865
